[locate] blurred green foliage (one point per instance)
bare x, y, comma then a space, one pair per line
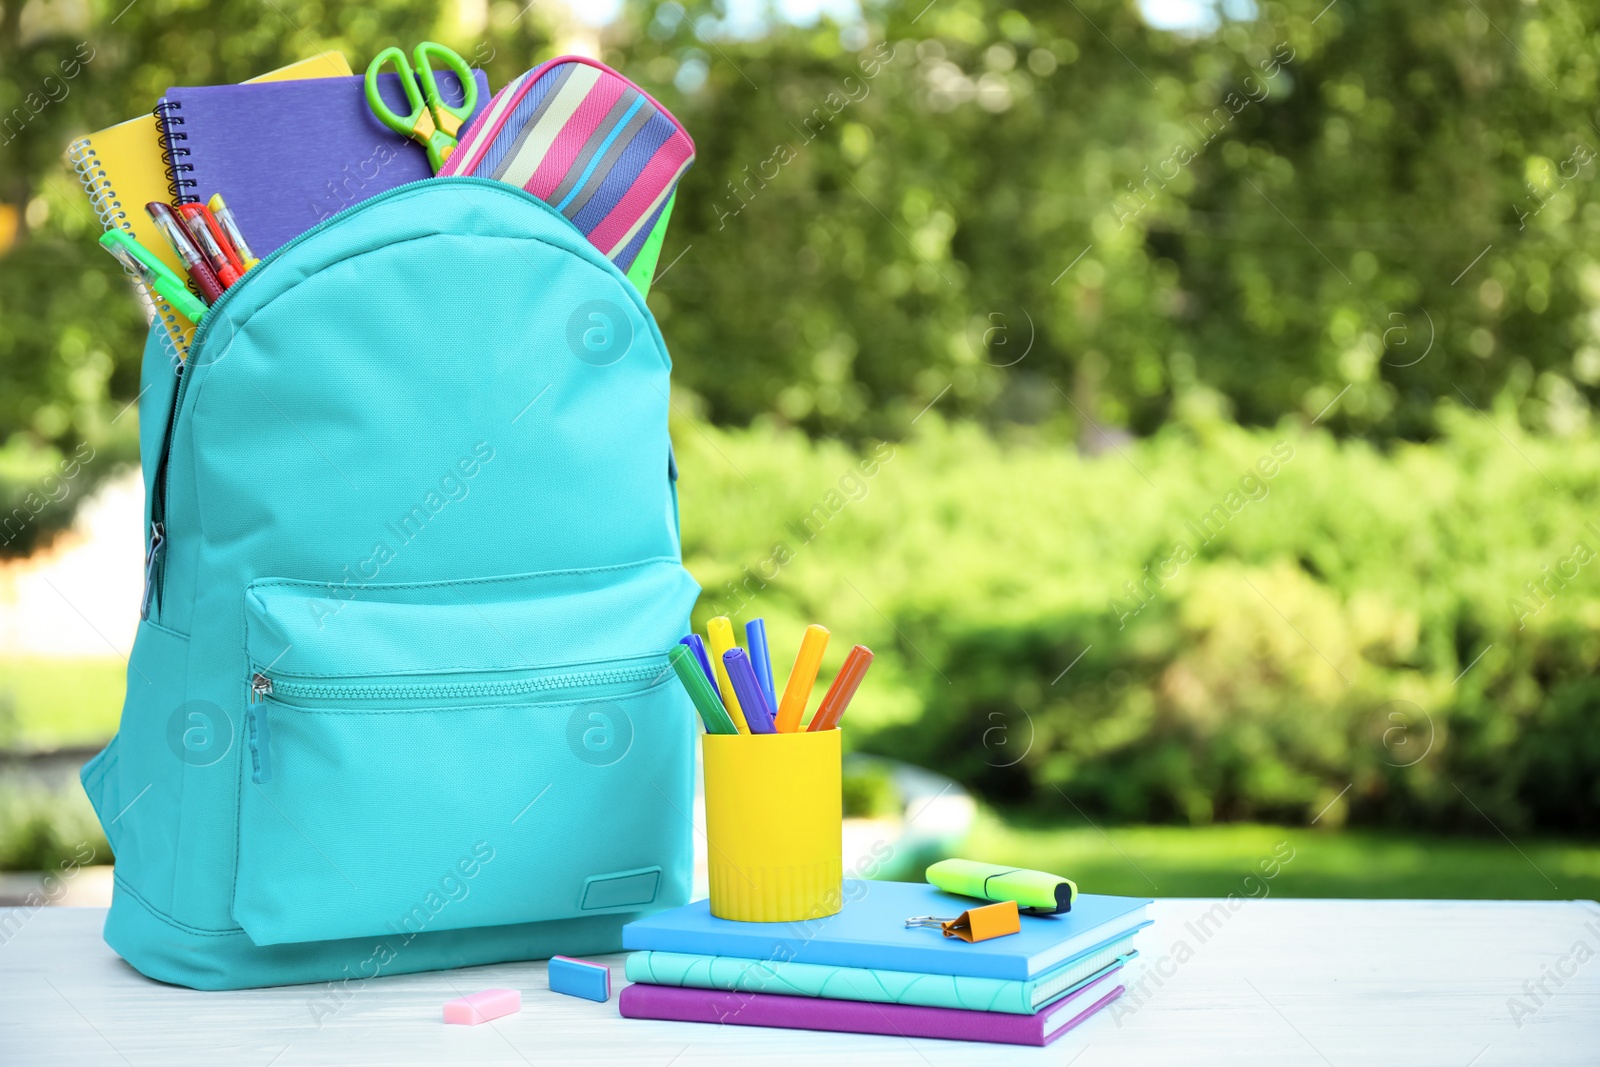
1213, 861
887, 213
58, 702
1270, 213
1406, 636
869, 792
42, 829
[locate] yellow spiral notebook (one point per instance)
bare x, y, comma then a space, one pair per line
122, 169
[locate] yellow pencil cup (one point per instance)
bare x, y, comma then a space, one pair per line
773, 814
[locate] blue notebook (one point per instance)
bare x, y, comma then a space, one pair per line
870, 931
286, 155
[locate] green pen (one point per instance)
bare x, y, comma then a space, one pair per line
706, 701
1036, 892
156, 275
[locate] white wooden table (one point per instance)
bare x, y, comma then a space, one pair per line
1277, 982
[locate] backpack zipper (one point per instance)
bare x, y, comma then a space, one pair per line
263, 687
158, 506
157, 540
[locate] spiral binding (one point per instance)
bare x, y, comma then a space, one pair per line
109, 210
102, 197
166, 113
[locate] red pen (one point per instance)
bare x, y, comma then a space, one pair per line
205, 279
207, 233
844, 687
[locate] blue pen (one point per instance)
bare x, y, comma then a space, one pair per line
755, 636
757, 712
698, 647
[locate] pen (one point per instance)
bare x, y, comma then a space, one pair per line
156, 275
844, 687
720, 631
801, 678
755, 638
225, 262
698, 647
230, 226
204, 278
754, 702
700, 692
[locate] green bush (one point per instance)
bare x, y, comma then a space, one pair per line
1058, 631
40, 829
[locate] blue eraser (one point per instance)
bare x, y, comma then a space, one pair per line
580, 978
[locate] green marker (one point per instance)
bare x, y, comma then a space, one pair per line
706, 701
1035, 892
156, 275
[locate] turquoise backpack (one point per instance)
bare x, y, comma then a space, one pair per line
400, 696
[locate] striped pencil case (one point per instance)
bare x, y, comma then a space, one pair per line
593, 145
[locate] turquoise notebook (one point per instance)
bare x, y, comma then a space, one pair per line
884, 987
870, 932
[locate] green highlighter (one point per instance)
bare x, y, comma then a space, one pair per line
156, 275
1035, 892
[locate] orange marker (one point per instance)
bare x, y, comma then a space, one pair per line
797, 694
844, 687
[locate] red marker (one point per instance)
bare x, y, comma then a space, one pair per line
205, 279
842, 690
207, 233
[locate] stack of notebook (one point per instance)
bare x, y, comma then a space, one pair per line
288, 149
863, 971
128, 165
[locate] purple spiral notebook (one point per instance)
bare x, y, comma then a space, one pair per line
686, 1004
286, 155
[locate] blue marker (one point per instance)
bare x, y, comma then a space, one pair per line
755, 636
698, 647
757, 712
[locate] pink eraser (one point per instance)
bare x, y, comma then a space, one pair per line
480, 1007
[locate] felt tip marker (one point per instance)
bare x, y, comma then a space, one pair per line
720, 632
755, 639
754, 702
839, 694
797, 694
698, 647
701, 694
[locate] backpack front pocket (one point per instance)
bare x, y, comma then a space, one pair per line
448, 755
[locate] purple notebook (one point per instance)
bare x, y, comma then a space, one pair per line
685, 1004
286, 155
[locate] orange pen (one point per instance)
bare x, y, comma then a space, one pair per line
801, 678
844, 687
207, 233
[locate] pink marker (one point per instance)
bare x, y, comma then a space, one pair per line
480, 1007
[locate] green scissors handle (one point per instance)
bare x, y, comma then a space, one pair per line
431, 122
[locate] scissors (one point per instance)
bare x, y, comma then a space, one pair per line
432, 123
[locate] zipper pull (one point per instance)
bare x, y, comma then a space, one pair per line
256, 725
157, 540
